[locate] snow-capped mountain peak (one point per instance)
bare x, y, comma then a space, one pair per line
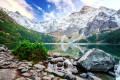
73, 22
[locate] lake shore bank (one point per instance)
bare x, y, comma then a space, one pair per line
56, 67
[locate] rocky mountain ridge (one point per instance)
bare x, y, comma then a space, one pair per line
88, 21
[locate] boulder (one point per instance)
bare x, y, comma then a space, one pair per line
38, 78
56, 60
60, 64
70, 77
46, 78
89, 74
74, 70
117, 69
55, 72
55, 78
3, 49
39, 66
83, 75
96, 60
66, 56
23, 70
67, 63
26, 74
55, 55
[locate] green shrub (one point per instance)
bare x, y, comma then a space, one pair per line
31, 52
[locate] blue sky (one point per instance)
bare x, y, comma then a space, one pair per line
44, 10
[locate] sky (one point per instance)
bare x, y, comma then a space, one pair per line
45, 10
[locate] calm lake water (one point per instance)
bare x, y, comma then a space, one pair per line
77, 49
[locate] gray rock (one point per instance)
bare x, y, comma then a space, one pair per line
117, 69
74, 70
46, 78
93, 78
55, 72
112, 74
51, 76
66, 56
83, 75
55, 78
56, 55
89, 74
38, 78
67, 63
22, 78
7, 74
26, 74
24, 70
56, 60
96, 60
70, 77
39, 66
49, 58
78, 78
60, 64
74, 63
3, 49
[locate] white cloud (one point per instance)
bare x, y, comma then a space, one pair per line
114, 4
49, 6
39, 8
18, 5
63, 5
49, 16
89, 2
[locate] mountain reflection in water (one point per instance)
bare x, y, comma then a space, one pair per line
77, 49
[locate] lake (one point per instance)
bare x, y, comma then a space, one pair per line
75, 50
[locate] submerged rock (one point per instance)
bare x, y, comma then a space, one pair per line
83, 75
96, 60
89, 74
112, 73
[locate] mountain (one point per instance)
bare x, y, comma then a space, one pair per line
11, 31
76, 26
105, 37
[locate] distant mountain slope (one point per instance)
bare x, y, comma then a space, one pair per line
10, 31
88, 20
87, 17
104, 37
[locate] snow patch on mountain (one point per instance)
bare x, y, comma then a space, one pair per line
76, 20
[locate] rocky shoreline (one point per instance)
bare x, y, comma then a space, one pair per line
56, 67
